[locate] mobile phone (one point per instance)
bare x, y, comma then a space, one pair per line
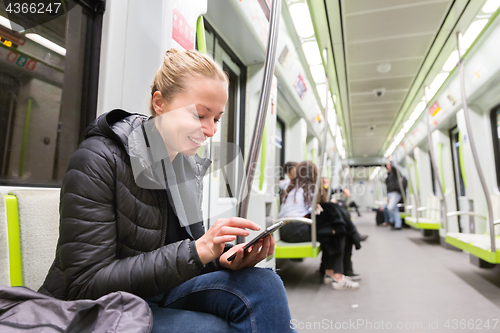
262, 235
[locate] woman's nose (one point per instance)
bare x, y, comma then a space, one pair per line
209, 128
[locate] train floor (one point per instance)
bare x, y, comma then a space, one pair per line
409, 284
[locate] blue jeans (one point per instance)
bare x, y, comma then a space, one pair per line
387, 217
247, 300
392, 208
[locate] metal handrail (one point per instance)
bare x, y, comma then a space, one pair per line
473, 146
245, 190
464, 212
434, 164
496, 222
422, 209
321, 159
295, 219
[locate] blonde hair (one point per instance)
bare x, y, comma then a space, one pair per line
170, 79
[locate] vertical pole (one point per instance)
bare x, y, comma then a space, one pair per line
321, 157
473, 145
245, 190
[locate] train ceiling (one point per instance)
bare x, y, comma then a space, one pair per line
383, 53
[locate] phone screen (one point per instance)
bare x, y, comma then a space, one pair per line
262, 235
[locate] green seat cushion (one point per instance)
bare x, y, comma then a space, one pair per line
285, 250
477, 245
422, 223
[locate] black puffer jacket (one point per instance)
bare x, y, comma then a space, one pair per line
392, 181
113, 231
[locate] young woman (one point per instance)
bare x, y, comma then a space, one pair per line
297, 201
335, 232
331, 228
129, 204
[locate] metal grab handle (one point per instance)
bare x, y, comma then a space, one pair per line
421, 209
464, 212
496, 222
245, 190
475, 155
295, 219
409, 207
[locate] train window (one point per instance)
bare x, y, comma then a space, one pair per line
280, 151
232, 123
433, 176
44, 100
457, 168
495, 130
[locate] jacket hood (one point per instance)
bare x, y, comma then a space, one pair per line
150, 163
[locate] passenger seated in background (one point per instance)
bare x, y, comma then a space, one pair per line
353, 237
332, 231
289, 169
347, 194
122, 231
296, 202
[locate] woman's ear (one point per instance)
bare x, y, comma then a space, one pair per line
158, 103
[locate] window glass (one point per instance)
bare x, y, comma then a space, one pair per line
495, 129
38, 132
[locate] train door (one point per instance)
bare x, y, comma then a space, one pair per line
280, 153
226, 147
48, 92
444, 161
462, 202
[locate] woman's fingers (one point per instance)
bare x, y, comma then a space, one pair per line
242, 223
223, 239
233, 231
271, 246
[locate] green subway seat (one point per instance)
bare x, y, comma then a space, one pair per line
283, 250
422, 223
477, 245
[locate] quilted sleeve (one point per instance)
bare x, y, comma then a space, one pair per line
88, 235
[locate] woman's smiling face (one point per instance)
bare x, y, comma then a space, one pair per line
192, 115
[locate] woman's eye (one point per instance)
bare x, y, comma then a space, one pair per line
197, 116
216, 120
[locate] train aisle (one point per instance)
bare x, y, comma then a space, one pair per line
409, 284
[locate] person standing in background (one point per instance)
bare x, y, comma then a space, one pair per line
394, 194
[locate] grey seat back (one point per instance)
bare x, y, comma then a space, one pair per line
38, 232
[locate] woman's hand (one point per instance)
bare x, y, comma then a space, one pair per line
253, 255
211, 244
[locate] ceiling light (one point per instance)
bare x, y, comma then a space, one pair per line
471, 34
408, 125
375, 173
491, 6
384, 68
399, 137
435, 85
301, 19
321, 89
47, 43
451, 62
318, 73
332, 119
311, 52
10, 25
